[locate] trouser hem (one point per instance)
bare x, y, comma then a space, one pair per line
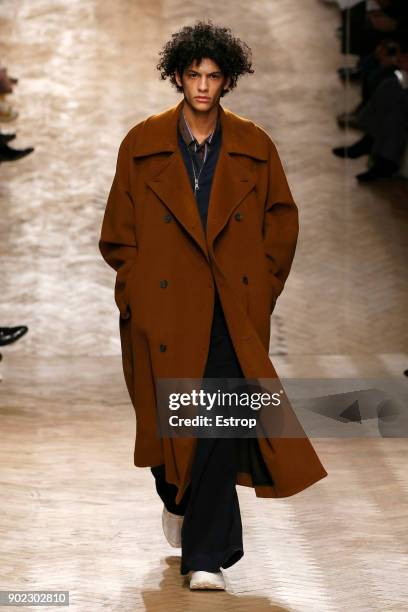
209, 562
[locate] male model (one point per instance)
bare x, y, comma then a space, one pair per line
201, 229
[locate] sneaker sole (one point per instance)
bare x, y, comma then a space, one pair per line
207, 586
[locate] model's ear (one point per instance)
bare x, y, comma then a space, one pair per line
227, 83
178, 79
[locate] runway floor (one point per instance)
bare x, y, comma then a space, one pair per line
75, 513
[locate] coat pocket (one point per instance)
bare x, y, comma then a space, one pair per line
122, 290
273, 285
276, 284
125, 330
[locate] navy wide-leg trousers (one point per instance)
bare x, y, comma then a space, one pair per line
212, 530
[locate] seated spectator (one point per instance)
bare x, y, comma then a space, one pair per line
384, 121
368, 23
374, 68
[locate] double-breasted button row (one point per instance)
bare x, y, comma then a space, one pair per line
245, 279
163, 283
167, 218
238, 216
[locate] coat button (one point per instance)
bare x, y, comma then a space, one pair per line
238, 216
126, 314
167, 218
245, 280
163, 347
163, 284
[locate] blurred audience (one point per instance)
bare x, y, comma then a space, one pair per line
8, 114
376, 31
8, 335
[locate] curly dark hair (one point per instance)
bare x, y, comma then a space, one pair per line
204, 39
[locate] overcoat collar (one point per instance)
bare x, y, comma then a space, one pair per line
232, 181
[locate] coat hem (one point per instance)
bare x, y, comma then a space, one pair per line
244, 479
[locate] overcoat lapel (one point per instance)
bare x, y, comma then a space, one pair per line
172, 185
231, 181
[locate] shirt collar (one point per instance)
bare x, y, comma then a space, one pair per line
187, 134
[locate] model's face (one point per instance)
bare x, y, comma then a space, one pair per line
203, 84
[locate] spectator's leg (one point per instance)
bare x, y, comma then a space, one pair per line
385, 119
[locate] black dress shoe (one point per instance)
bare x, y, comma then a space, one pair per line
374, 173
382, 168
6, 137
8, 154
11, 334
359, 148
352, 73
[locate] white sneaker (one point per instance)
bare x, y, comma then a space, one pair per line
172, 527
207, 580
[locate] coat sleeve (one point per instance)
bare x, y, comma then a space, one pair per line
281, 223
117, 242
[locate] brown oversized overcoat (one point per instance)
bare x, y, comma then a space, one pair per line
151, 231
